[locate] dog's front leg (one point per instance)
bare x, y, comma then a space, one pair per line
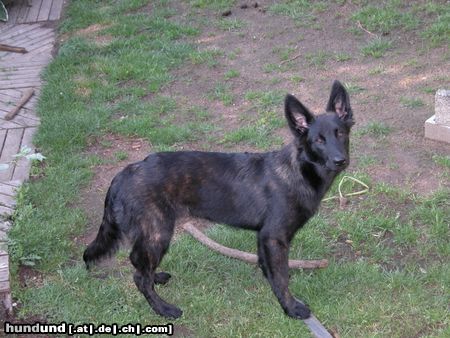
273, 258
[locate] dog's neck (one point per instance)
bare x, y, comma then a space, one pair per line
296, 164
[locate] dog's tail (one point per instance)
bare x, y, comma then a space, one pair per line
108, 237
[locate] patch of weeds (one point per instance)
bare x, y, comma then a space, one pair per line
284, 53
376, 71
376, 48
275, 81
231, 24
317, 59
411, 102
259, 129
218, 5
342, 57
384, 19
442, 160
208, 57
297, 79
302, 11
121, 155
353, 88
433, 212
429, 90
365, 161
376, 129
222, 92
232, 73
406, 234
234, 54
438, 32
275, 67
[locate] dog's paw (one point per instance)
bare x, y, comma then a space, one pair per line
162, 277
169, 311
298, 310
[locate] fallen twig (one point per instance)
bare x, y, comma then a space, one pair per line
365, 30
14, 49
245, 256
291, 59
25, 98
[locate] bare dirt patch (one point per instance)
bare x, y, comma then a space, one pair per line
255, 50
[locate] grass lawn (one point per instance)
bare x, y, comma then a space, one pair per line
177, 75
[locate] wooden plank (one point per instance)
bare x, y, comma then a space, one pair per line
26, 63
25, 40
7, 201
55, 12
22, 71
34, 11
9, 125
10, 148
19, 75
7, 189
31, 35
21, 121
19, 84
44, 13
21, 18
4, 268
17, 31
4, 286
47, 41
5, 211
2, 139
13, 12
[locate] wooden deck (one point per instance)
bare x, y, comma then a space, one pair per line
25, 11
27, 27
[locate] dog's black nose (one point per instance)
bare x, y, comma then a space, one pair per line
339, 161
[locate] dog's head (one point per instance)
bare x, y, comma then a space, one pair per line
324, 138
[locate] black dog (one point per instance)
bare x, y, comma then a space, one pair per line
273, 193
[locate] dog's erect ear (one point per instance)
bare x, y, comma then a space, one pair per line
339, 102
298, 116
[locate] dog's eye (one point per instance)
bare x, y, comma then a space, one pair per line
320, 140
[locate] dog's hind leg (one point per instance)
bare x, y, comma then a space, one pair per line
145, 256
274, 257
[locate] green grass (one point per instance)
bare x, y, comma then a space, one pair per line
375, 129
121, 155
438, 30
376, 70
442, 160
411, 102
342, 57
217, 5
304, 12
231, 24
259, 128
317, 59
222, 92
353, 88
232, 73
385, 19
376, 48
